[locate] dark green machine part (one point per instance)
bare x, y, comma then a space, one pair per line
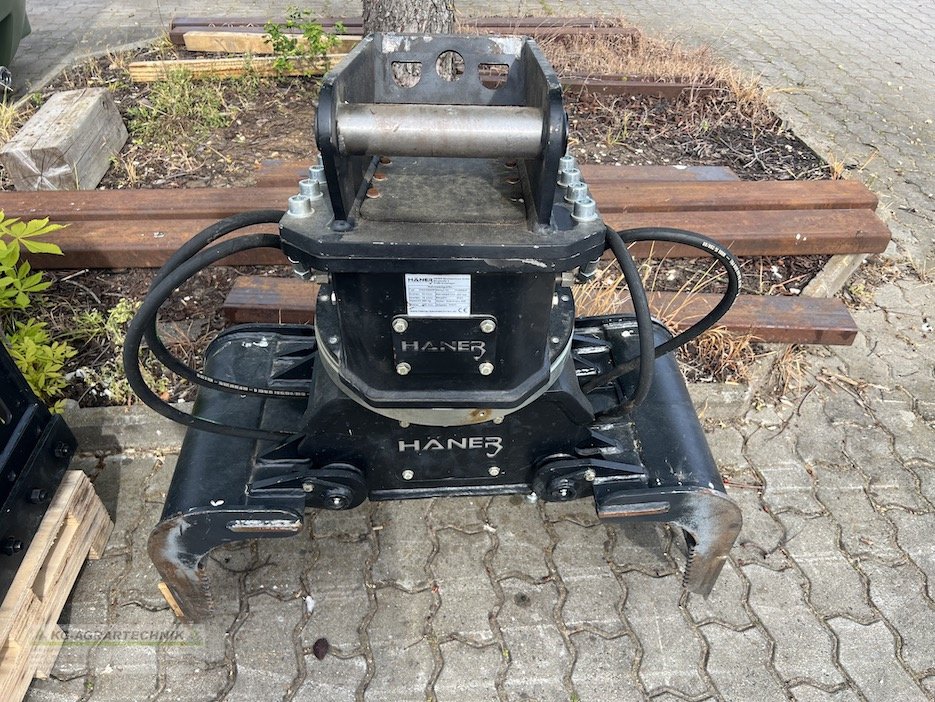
14, 25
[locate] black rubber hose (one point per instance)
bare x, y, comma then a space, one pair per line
147, 313
644, 324
209, 234
189, 249
702, 243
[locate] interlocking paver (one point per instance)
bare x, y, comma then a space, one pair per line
671, 647
898, 591
593, 599
834, 586
867, 653
738, 662
604, 668
469, 674
537, 653
804, 648
463, 586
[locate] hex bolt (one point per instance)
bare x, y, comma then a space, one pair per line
338, 502
373, 193
493, 471
310, 188
567, 163
404, 424
308, 486
569, 177
62, 450
590, 475
333, 340
11, 546
575, 192
487, 326
403, 368
317, 173
498, 420
408, 474
38, 496
485, 368
400, 325
585, 210
300, 206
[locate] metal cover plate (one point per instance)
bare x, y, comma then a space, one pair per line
449, 345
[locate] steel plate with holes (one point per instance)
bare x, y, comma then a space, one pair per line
446, 344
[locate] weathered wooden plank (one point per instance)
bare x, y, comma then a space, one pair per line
740, 196
68, 144
145, 204
147, 243
279, 173
138, 244
266, 299
770, 319
249, 42
148, 71
765, 232
619, 197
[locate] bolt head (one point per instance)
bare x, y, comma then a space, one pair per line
498, 420
590, 475
308, 486
485, 368
493, 471
338, 502
403, 368
487, 326
408, 474
400, 325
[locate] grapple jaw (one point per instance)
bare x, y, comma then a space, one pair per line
710, 519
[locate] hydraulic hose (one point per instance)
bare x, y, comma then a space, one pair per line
145, 318
189, 249
694, 240
644, 321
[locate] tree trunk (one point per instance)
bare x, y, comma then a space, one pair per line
409, 16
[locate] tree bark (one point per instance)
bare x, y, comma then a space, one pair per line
409, 16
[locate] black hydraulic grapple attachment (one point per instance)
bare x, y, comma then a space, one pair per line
446, 223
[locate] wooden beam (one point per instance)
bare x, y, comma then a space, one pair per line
148, 71
772, 319
740, 196
68, 144
147, 243
249, 42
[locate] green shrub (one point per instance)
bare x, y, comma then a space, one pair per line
38, 357
306, 47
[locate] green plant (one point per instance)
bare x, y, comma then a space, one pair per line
108, 378
38, 357
306, 46
179, 107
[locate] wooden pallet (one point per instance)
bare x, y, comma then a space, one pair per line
76, 527
771, 319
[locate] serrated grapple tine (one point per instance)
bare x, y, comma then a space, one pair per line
179, 545
708, 516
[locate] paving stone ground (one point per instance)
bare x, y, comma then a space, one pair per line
830, 591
